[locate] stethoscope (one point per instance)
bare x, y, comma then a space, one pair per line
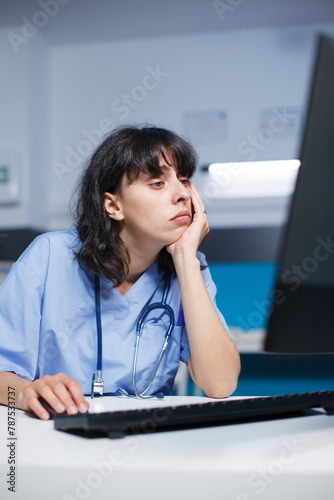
97, 382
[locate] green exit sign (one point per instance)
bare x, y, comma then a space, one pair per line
4, 174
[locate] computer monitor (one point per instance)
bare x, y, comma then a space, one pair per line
302, 314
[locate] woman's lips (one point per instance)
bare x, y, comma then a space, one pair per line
182, 216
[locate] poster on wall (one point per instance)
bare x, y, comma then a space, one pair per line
9, 177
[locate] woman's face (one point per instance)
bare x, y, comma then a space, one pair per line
153, 211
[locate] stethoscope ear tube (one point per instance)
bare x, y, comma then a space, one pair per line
97, 382
98, 323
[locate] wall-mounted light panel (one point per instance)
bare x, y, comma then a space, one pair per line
9, 177
247, 194
253, 179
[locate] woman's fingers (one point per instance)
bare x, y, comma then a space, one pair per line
61, 392
30, 399
195, 232
69, 393
197, 200
200, 213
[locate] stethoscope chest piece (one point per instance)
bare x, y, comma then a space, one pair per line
97, 384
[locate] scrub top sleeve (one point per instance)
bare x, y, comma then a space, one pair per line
21, 299
185, 349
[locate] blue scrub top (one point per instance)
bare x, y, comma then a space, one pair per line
48, 322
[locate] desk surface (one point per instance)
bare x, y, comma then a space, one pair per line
280, 459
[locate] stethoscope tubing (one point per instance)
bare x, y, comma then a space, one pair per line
141, 320
147, 309
98, 324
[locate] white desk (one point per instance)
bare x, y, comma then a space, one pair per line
280, 459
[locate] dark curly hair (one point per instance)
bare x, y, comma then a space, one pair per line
127, 150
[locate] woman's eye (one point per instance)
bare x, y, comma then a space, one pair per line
185, 181
156, 184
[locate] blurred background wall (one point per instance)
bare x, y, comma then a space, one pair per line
213, 71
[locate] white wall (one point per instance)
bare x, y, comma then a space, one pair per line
241, 73
39, 133
14, 126
52, 94
24, 98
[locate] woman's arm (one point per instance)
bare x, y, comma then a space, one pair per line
214, 363
60, 391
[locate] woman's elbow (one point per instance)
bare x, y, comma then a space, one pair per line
219, 391
224, 387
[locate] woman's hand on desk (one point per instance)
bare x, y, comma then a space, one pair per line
63, 393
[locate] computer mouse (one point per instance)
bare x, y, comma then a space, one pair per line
53, 414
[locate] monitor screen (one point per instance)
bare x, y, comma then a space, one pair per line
302, 314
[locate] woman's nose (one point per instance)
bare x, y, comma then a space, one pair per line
182, 191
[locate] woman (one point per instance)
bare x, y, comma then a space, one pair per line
139, 222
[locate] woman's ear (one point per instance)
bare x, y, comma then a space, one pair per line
113, 207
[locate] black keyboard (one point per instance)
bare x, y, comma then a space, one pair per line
115, 424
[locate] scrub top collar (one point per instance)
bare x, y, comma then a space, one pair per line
149, 282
